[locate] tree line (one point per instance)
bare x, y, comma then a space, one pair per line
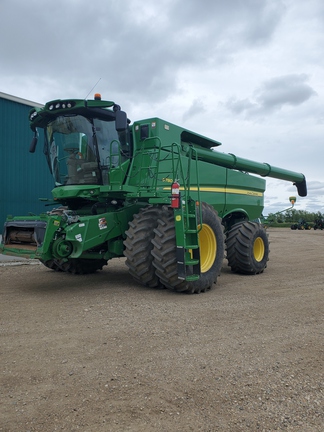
293, 215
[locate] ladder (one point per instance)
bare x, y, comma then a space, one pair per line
187, 226
187, 217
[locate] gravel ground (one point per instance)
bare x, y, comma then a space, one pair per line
102, 353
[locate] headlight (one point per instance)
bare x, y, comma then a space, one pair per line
32, 115
61, 105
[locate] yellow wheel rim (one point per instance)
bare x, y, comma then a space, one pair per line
208, 247
258, 249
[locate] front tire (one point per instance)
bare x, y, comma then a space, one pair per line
138, 246
78, 266
211, 240
247, 248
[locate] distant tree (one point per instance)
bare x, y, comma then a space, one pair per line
272, 217
294, 215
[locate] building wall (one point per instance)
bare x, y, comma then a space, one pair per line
24, 176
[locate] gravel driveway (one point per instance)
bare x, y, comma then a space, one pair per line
101, 353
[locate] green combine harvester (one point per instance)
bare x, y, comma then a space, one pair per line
151, 191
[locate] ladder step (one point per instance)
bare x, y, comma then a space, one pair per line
195, 246
192, 262
193, 277
191, 231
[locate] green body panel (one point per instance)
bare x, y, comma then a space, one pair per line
116, 171
154, 167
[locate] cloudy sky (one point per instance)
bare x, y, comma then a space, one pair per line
248, 73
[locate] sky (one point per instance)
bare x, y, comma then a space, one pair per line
247, 73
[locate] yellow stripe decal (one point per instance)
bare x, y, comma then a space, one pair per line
224, 190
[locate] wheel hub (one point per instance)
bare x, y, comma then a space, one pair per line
258, 249
208, 247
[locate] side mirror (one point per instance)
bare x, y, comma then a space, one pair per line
33, 144
121, 121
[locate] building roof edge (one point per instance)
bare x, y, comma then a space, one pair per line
20, 100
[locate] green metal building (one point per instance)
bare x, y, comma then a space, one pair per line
24, 177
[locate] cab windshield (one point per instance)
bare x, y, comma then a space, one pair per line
82, 151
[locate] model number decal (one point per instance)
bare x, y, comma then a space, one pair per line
102, 223
78, 238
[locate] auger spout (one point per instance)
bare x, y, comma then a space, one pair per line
229, 160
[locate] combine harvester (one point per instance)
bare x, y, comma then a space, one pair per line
151, 191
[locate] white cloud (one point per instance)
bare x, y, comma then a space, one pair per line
247, 73
273, 95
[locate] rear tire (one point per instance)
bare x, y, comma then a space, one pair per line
211, 240
138, 246
247, 248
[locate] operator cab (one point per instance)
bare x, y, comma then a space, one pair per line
82, 150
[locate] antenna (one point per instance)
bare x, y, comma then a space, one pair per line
92, 88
